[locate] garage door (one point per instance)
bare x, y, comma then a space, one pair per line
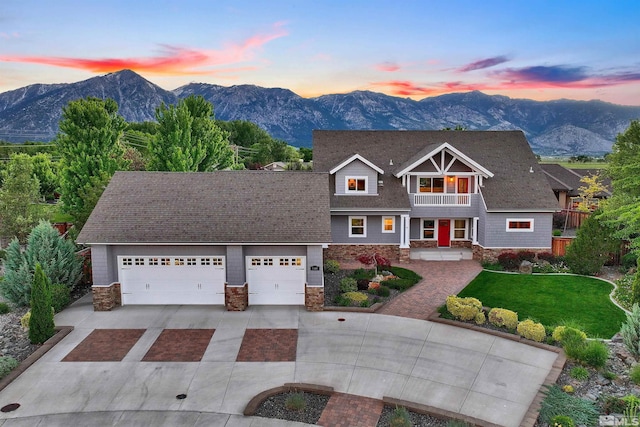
172, 280
276, 280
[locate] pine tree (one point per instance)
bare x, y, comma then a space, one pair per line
41, 324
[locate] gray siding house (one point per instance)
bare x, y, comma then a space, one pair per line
434, 194
236, 238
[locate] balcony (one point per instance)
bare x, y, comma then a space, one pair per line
441, 199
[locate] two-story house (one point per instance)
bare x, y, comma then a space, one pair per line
434, 194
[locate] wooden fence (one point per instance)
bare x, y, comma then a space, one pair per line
559, 248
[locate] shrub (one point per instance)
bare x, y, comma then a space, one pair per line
355, 297
463, 308
559, 333
609, 375
634, 374
383, 291
45, 246
41, 325
331, 266
531, 330
630, 331
60, 297
629, 260
363, 284
341, 300
612, 404
404, 273
509, 260
556, 402
376, 260
4, 308
400, 417
526, 256
591, 248
547, 256
568, 388
399, 284
480, 318
348, 284
503, 317
24, 320
593, 353
579, 373
361, 273
556, 233
7, 364
295, 402
562, 421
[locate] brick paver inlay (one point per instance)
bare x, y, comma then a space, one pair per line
349, 410
268, 345
179, 345
105, 345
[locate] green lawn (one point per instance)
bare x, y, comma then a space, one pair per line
551, 299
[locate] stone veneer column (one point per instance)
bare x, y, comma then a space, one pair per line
314, 298
105, 298
405, 255
236, 298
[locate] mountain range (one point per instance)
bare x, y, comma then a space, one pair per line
561, 127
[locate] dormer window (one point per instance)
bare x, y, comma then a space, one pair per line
356, 184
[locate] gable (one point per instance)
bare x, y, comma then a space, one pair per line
356, 158
441, 159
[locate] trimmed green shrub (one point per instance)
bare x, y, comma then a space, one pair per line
7, 364
531, 330
480, 318
331, 266
559, 332
634, 374
503, 318
463, 308
383, 291
348, 284
630, 330
60, 297
556, 402
41, 325
355, 297
399, 284
4, 308
562, 421
404, 273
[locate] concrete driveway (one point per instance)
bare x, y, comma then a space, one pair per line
372, 355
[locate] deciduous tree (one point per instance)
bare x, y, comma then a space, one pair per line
20, 191
188, 138
89, 146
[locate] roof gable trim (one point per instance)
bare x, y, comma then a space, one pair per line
444, 168
353, 158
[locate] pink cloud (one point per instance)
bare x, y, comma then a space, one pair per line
484, 63
387, 66
172, 60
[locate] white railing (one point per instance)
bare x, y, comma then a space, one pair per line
441, 199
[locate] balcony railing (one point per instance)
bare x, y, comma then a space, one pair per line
441, 199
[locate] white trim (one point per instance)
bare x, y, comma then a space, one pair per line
453, 229
519, 230
368, 210
364, 226
442, 147
474, 230
393, 224
356, 178
206, 244
435, 229
356, 157
405, 231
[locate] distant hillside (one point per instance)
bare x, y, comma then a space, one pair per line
562, 127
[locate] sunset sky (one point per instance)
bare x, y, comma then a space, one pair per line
536, 49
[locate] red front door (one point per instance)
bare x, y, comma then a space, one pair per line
444, 232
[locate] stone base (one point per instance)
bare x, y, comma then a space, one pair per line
105, 298
314, 298
352, 252
236, 298
491, 255
405, 255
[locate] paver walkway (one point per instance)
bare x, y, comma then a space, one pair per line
439, 280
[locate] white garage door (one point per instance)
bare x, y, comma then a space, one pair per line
172, 280
276, 280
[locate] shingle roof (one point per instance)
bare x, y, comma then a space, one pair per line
216, 207
505, 153
565, 179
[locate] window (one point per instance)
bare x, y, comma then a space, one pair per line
139, 261
519, 224
205, 261
460, 229
296, 261
127, 261
431, 185
388, 224
217, 261
153, 261
179, 261
428, 229
284, 261
165, 261
357, 226
356, 184
191, 261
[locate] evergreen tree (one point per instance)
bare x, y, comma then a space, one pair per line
20, 191
41, 323
591, 248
